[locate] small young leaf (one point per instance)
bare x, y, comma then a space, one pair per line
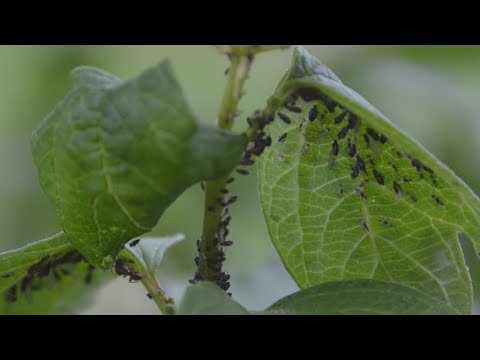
359, 297
113, 155
149, 251
205, 298
346, 195
47, 277
473, 263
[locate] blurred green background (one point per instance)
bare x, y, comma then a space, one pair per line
431, 92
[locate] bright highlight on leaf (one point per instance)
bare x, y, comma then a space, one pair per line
346, 195
113, 155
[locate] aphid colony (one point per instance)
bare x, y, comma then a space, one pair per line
348, 122
49, 268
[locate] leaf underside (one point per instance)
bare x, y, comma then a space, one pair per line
113, 155
349, 196
359, 297
47, 277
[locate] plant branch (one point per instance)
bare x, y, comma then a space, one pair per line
217, 199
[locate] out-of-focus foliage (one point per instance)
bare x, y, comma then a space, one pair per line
406, 83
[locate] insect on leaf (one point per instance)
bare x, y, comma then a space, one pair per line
113, 155
347, 195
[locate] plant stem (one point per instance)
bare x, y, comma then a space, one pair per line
209, 247
165, 304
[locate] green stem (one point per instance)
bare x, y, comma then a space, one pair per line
165, 304
209, 249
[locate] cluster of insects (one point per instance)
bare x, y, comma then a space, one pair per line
50, 268
361, 144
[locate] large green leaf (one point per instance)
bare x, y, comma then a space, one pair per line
395, 219
113, 155
47, 277
359, 297
206, 298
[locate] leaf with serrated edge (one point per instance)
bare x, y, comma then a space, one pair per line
47, 277
359, 297
206, 298
329, 223
113, 155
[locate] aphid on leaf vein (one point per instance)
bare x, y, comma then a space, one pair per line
242, 171
284, 118
282, 137
334, 148
355, 171
382, 139
340, 118
293, 108
313, 113
353, 122
352, 149
364, 224
6, 276
343, 132
397, 188
211, 208
361, 164
366, 138
378, 177
373, 134
437, 200
394, 167
384, 222
414, 199
305, 148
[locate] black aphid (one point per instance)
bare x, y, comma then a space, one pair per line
134, 242
232, 199
399, 154
267, 141
361, 164
382, 139
284, 118
362, 195
11, 294
355, 171
202, 185
384, 222
335, 148
353, 122
242, 171
6, 276
378, 177
352, 149
226, 243
227, 70
394, 167
293, 108
366, 138
197, 260
149, 296
282, 137
224, 191
343, 132
246, 162
397, 188
340, 118
373, 134
211, 208
405, 180
313, 113
134, 276
416, 164
437, 200
364, 224
414, 199
427, 169
231, 180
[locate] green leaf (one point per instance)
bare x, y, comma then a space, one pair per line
47, 277
206, 298
359, 297
113, 155
395, 220
473, 263
149, 251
